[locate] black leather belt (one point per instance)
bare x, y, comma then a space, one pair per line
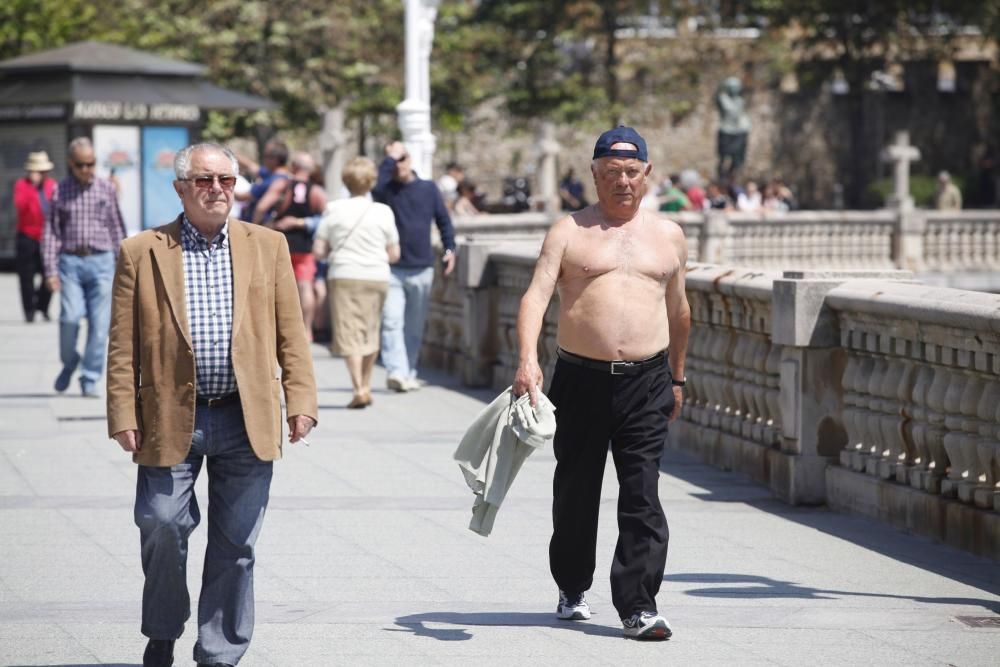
615, 367
219, 401
83, 252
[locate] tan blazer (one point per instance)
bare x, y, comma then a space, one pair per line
151, 373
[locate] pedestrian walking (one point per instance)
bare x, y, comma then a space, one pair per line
32, 205
359, 240
614, 380
193, 377
81, 238
415, 202
296, 198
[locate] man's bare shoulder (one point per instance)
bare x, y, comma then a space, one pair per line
562, 229
666, 222
571, 222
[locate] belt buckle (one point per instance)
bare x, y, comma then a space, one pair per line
616, 364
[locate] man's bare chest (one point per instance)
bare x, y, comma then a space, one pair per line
603, 252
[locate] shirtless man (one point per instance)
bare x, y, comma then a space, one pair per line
620, 274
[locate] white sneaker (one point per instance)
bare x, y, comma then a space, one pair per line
398, 384
646, 625
572, 607
413, 384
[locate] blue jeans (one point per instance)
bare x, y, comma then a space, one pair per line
166, 511
85, 292
403, 318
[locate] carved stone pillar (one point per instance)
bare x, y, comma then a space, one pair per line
814, 368
548, 178
332, 140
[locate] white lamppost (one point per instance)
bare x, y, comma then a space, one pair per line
415, 111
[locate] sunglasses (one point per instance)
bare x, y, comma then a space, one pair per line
404, 158
85, 165
205, 182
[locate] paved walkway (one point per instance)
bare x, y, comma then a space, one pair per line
365, 558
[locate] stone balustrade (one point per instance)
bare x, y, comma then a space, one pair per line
947, 248
921, 408
858, 388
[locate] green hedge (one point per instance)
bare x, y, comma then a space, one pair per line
922, 189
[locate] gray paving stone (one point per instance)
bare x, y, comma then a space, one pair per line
365, 557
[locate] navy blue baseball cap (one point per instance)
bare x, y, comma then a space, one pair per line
621, 134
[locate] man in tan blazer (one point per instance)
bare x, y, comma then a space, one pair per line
205, 311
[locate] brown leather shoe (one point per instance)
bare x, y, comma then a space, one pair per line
158, 653
357, 402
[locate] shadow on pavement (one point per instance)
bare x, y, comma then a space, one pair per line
765, 587
728, 487
417, 624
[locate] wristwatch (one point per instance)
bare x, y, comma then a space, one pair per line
679, 383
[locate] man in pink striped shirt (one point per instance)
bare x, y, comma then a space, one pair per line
81, 239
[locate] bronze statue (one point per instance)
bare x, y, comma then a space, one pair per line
734, 126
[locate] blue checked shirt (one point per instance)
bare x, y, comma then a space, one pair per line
208, 292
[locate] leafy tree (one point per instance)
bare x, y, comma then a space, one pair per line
306, 55
551, 59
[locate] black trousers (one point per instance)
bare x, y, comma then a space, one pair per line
29, 264
594, 408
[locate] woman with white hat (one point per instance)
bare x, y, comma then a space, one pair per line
32, 200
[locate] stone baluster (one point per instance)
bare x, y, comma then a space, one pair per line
850, 382
860, 432
921, 426
761, 410
992, 245
966, 247
937, 464
795, 236
742, 385
969, 441
890, 420
728, 417
772, 366
988, 448
708, 371
904, 393
978, 245
876, 446
694, 398
954, 437
720, 380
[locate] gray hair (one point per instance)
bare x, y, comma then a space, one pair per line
302, 160
80, 143
182, 161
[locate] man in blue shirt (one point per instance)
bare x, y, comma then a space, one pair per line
416, 202
275, 166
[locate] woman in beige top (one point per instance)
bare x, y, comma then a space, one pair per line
360, 239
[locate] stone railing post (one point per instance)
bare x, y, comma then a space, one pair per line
908, 245
478, 314
813, 362
714, 241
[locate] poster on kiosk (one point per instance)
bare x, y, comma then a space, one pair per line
159, 201
117, 150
